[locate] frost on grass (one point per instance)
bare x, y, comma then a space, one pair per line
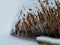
38, 17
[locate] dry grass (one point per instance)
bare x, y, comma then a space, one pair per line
48, 23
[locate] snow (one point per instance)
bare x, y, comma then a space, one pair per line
48, 39
9, 9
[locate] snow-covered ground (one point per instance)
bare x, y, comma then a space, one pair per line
48, 39
8, 9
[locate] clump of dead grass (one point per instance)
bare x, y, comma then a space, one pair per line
48, 23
